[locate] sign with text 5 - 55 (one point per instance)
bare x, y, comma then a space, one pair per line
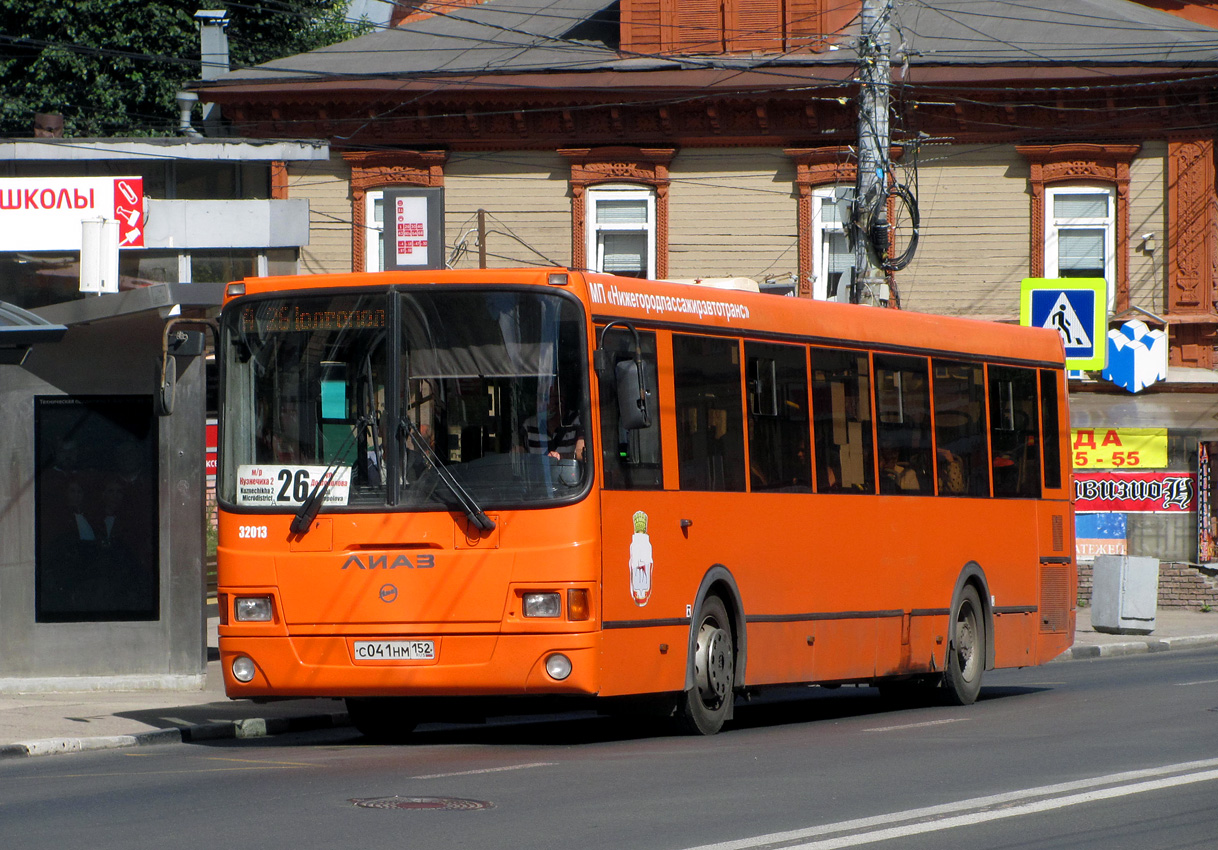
1075, 307
1119, 448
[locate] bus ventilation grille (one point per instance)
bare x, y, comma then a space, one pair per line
1059, 535
1054, 606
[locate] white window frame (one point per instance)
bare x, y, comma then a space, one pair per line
822, 230
594, 246
1055, 224
374, 247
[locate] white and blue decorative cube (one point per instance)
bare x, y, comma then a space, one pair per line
1137, 356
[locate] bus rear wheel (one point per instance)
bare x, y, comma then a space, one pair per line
703, 708
966, 651
386, 720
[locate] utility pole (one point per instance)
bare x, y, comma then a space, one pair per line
870, 219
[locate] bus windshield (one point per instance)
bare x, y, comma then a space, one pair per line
434, 400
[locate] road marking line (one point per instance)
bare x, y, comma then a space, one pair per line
915, 725
948, 815
1001, 814
1202, 682
487, 770
270, 762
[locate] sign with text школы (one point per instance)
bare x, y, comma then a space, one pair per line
1077, 308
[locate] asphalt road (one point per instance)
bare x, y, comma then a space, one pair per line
1120, 754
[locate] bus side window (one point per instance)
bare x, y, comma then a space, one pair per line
841, 421
902, 404
960, 444
777, 388
1051, 434
710, 422
1014, 432
631, 459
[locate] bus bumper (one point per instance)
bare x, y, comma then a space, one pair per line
464, 665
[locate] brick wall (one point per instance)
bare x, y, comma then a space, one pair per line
1180, 585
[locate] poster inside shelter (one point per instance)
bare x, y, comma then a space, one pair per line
96, 514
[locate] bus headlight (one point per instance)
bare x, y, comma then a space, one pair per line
243, 668
542, 605
558, 666
253, 609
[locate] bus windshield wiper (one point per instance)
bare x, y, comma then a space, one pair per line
311, 506
476, 515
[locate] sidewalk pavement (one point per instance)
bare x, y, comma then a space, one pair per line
52, 723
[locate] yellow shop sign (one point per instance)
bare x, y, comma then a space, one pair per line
1119, 448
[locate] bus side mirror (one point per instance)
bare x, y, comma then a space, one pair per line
177, 343
167, 381
631, 396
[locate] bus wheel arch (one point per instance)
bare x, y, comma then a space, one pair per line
715, 655
970, 644
973, 574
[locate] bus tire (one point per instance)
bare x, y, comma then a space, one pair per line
385, 720
966, 650
703, 708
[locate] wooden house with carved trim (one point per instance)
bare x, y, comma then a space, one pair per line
695, 138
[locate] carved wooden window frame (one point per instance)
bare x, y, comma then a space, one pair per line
814, 168
639, 166
1052, 165
378, 170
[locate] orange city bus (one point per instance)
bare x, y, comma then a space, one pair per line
438, 486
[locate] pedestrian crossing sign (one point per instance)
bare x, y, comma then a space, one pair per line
1075, 307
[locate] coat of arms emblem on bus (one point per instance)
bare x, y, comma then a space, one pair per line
640, 561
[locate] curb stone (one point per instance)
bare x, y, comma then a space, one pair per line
1113, 650
253, 727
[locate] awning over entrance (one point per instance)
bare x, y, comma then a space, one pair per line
21, 329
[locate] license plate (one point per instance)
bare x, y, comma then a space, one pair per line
395, 650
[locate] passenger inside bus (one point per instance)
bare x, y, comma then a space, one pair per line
896, 475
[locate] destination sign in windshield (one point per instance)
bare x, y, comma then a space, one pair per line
287, 318
288, 486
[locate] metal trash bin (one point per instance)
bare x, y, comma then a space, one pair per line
1124, 594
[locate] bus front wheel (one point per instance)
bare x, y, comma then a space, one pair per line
704, 707
385, 720
966, 652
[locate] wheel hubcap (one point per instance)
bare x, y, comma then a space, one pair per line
713, 664
966, 643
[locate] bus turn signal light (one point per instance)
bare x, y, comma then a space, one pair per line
577, 604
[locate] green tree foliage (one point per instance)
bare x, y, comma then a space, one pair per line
113, 67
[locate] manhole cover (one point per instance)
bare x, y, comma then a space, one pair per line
451, 804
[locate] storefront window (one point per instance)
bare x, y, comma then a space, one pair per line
222, 266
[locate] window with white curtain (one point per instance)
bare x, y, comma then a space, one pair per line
832, 257
1080, 233
621, 237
